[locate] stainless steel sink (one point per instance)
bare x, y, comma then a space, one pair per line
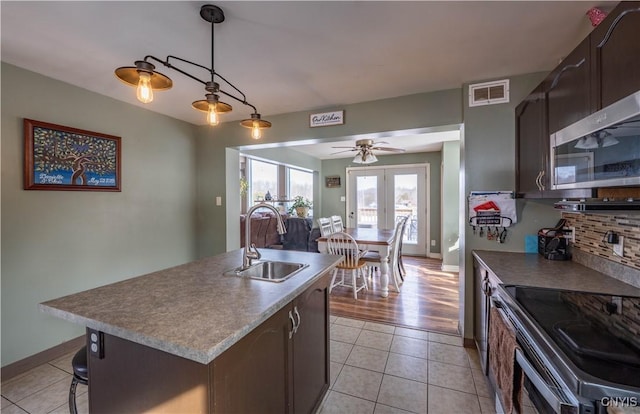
269, 270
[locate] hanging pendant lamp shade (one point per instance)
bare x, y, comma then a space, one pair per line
131, 75
256, 124
203, 104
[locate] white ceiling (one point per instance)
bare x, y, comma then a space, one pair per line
292, 56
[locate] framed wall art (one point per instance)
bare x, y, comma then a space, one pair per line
62, 158
332, 181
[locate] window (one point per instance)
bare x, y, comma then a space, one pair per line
300, 183
264, 178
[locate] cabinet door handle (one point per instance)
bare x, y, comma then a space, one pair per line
293, 325
541, 183
295, 310
564, 69
538, 180
614, 24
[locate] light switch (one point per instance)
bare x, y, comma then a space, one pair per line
218, 201
343, 198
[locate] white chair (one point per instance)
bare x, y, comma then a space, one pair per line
373, 259
344, 245
326, 228
336, 224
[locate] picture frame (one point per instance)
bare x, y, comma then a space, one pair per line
326, 119
332, 181
62, 158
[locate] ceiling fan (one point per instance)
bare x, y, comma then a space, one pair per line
365, 148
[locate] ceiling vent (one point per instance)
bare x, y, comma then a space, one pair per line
489, 93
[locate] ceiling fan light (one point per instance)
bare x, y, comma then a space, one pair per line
609, 141
589, 142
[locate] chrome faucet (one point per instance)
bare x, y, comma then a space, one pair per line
251, 252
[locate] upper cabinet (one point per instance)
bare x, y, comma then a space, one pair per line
615, 46
568, 89
530, 130
602, 69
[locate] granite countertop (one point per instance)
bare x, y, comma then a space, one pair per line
531, 269
192, 310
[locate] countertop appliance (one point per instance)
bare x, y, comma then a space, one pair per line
601, 150
575, 359
552, 243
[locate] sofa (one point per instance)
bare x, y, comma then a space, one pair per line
264, 232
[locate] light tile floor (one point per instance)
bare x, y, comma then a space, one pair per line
375, 368
382, 369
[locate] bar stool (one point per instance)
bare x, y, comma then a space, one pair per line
80, 376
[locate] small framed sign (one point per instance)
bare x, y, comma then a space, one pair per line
332, 181
326, 119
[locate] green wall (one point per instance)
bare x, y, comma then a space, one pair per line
55, 243
331, 203
489, 164
450, 203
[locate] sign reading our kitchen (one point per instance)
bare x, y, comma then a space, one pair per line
326, 119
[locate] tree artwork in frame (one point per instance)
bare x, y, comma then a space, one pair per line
62, 158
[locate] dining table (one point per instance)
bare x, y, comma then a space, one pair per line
373, 240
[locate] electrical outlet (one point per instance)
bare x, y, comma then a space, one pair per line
573, 234
618, 248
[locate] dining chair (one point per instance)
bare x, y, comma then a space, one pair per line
401, 270
326, 228
373, 259
344, 245
336, 224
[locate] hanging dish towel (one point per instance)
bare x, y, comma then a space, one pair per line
502, 355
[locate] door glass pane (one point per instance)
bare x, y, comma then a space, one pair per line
264, 178
406, 203
367, 201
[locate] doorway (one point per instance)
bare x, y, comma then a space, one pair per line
378, 197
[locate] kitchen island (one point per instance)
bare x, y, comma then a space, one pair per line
194, 339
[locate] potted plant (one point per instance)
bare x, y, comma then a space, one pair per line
301, 206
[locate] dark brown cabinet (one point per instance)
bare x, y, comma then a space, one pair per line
616, 55
568, 89
602, 69
281, 366
530, 133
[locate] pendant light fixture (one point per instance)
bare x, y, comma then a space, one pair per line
146, 80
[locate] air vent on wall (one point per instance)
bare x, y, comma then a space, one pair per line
489, 93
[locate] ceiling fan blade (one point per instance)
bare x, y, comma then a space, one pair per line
387, 149
353, 148
340, 152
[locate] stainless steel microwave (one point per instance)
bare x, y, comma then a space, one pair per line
601, 150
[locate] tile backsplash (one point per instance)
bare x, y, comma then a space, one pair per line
592, 228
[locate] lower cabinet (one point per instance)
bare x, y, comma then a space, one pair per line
282, 366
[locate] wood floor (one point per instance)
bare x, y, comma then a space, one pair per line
428, 299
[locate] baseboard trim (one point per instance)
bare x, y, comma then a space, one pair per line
434, 255
19, 367
451, 268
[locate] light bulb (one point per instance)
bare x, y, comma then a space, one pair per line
144, 92
212, 115
255, 130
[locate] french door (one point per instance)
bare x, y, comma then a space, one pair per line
378, 197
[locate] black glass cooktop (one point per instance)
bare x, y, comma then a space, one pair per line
595, 331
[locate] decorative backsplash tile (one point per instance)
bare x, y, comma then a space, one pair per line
592, 228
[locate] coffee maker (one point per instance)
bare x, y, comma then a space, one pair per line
552, 243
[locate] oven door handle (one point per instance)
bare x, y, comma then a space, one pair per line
558, 405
